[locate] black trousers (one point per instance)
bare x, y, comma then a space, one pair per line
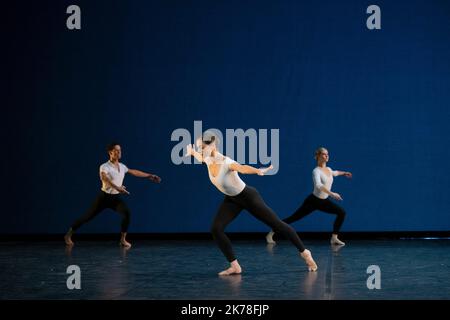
105, 201
313, 203
250, 200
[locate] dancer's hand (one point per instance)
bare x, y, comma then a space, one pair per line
122, 189
336, 196
263, 171
154, 178
348, 175
189, 150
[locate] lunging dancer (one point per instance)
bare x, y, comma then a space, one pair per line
112, 174
223, 173
318, 200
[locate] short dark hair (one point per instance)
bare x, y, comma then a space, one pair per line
111, 146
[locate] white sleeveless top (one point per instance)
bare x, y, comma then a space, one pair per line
226, 180
320, 179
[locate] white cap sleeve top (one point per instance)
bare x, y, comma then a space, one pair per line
115, 174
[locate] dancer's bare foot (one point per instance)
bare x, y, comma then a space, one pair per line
124, 242
234, 268
269, 237
306, 255
68, 238
335, 241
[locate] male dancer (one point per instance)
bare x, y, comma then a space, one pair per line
112, 174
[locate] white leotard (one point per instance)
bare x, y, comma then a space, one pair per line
226, 180
320, 179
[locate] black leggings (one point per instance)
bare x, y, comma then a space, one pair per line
250, 200
105, 201
312, 203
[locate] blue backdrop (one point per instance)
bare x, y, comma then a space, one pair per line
137, 70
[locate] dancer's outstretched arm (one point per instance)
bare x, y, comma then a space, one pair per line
191, 152
338, 173
245, 169
141, 174
108, 181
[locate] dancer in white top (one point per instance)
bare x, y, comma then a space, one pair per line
223, 173
112, 174
318, 200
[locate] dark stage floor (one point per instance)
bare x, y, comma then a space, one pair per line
410, 269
